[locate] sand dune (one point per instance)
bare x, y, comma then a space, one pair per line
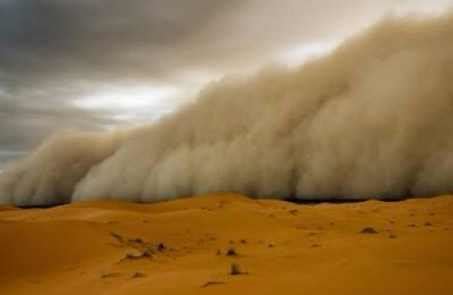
181, 247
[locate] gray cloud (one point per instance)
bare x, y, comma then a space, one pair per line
66, 40
101, 39
26, 117
53, 52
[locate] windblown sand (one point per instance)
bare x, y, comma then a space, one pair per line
182, 247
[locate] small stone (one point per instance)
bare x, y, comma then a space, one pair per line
293, 212
368, 230
148, 252
117, 237
110, 275
235, 269
161, 247
231, 252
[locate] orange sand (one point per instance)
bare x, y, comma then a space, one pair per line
284, 248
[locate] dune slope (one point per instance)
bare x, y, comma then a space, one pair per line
188, 246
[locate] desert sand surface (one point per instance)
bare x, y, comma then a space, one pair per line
188, 246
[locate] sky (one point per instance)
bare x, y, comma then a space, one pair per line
100, 64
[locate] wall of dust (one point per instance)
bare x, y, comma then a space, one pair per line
371, 120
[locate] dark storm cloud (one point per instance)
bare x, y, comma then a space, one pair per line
98, 38
47, 40
52, 52
55, 51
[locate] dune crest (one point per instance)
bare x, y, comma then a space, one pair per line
371, 120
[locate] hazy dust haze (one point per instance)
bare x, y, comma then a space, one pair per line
372, 119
